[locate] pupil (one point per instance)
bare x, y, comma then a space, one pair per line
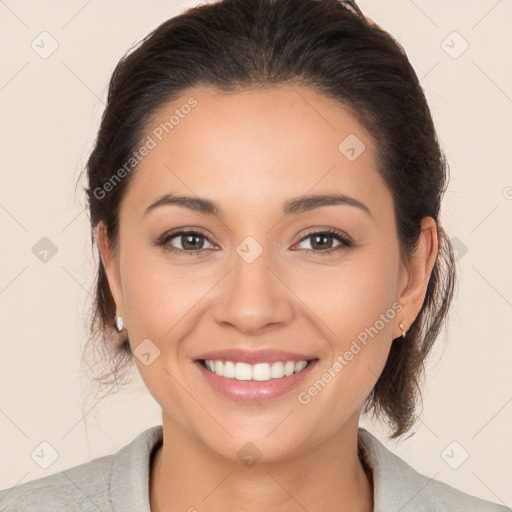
321, 237
188, 239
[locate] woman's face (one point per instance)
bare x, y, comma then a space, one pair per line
256, 277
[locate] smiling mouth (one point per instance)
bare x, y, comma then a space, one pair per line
255, 372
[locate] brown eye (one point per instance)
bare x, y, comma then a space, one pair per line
322, 241
185, 241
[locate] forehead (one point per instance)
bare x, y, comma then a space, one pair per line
255, 147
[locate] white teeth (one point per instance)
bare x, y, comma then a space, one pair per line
300, 366
277, 370
258, 372
261, 371
229, 370
289, 368
243, 371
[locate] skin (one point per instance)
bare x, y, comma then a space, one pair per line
249, 152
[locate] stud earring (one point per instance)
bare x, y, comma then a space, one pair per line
119, 323
402, 326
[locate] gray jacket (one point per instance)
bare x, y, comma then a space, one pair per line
120, 482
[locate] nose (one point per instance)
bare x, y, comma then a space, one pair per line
253, 297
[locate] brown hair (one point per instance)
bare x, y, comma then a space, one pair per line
329, 46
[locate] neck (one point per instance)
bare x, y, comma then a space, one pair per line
187, 475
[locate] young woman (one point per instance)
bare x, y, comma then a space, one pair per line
265, 195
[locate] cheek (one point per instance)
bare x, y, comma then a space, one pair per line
157, 294
159, 304
351, 297
360, 346
357, 307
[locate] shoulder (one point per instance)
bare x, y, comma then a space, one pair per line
83, 487
397, 486
112, 482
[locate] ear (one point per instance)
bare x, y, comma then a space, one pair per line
110, 262
418, 271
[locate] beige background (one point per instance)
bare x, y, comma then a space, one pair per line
51, 109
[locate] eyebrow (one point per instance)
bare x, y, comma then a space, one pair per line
290, 207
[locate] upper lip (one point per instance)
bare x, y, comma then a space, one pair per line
254, 356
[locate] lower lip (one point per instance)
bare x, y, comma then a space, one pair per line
254, 391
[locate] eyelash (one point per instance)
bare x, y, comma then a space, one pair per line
345, 241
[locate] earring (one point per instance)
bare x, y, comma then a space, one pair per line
402, 326
119, 323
